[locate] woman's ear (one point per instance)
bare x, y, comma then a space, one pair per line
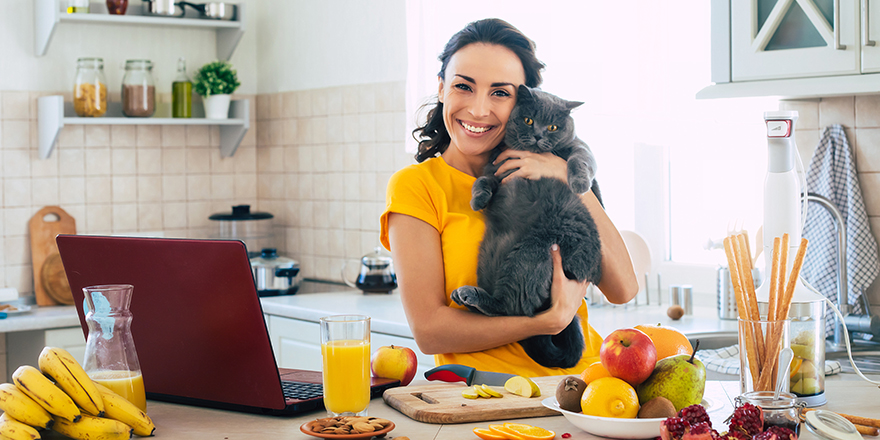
440, 89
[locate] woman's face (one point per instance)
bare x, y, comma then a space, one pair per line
478, 93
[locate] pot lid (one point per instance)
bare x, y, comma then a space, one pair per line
269, 258
240, 212
376, 260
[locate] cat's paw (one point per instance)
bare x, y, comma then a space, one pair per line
468, 296
580, 179
480, 200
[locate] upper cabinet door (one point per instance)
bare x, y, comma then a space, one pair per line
794, 38
870, 35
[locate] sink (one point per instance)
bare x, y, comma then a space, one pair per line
713, 340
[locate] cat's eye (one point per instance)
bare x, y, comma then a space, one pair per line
552, 128
529, 121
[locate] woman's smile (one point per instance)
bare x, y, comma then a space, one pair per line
475, 129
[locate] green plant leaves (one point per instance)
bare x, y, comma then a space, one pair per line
215, 78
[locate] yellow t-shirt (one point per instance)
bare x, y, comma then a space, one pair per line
440, 195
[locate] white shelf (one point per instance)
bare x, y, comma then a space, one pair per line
54, 114
48, 15
800, 88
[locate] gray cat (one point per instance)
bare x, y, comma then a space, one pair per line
525, 217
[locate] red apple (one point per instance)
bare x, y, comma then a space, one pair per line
394, 362
629, 354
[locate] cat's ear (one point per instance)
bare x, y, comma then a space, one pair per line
571, 105
524, 93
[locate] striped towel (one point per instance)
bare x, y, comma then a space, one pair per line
832, 174
726, 360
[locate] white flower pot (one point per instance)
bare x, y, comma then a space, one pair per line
216, 106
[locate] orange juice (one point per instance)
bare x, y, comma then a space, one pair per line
127, 384
346, 375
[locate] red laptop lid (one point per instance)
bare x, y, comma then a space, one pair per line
197, 322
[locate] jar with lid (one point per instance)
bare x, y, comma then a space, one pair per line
90, 88
138, 89
783, 411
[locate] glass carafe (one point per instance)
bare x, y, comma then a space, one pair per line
111, 358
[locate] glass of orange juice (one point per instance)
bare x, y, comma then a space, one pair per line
345, 347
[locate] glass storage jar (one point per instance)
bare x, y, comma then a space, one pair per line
784, 411
90, 88
138, 90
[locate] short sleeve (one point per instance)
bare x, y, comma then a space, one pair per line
411, 191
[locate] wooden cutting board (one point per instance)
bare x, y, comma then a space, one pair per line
443, 403
50, 281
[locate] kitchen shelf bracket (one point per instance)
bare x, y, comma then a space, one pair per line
53, 115
47, 16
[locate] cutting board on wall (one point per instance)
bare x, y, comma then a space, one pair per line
443, 403
50, 281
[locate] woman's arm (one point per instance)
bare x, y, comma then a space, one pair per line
437, 328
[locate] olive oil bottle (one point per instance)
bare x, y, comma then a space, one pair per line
181, 93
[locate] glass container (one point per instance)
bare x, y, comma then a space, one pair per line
808, 345
761, 341
138, 89
117, 7
111, 358
90, 88
181, 93
345, 349
77, 6
784, 411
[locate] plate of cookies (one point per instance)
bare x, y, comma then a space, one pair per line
347, 427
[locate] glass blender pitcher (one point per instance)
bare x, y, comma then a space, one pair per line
111, 358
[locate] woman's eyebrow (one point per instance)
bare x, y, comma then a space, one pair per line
496, 84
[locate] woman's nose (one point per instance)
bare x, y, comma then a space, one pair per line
480, 107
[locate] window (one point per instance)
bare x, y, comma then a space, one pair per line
637, 66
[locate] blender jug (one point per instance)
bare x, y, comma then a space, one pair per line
111, 358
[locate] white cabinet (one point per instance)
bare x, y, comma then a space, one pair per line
297, 344
24, 347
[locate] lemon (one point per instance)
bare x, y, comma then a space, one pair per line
522, 386
490, 391
469, 394
610, 397
479, 390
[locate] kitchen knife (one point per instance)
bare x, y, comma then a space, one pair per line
466, 374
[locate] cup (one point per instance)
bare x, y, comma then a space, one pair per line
760, 342
345, 348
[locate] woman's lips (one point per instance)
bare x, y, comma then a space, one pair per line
475, 129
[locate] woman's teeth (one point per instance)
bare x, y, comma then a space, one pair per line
473, 129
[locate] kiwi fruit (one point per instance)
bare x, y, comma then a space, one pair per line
656, 408
675, 312
569, 392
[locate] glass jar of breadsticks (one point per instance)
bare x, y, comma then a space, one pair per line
763, 333
90, 88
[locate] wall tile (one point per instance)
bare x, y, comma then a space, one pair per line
173, 136
320, 159
197, 136
15, 105
99, 218
97, 135
869, 183
867, 151
15, 220
149, 136
335, 129
123, 161
197, 214
149, 161
383, 126
15, 134
350, 95
125, 217
319, 130
198, 188
123, 136
72, 190
306, 183
246, 160
149, 188
149, 217
222, 187
174, 215
98, 161
45, 191
288, 131
840, 110
334, 101
17, 250
319, 102
16, 163
20, 277
366, 98
174, 188
98, 189
263, 109
808, 112
275, 106
288, 105
17, 192
198, 161
245, 186
276, 132
304, 104
124, 189
220, 164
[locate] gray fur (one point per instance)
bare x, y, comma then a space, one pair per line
525, 217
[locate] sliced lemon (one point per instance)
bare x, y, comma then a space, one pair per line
490, 391
522, 386
469, 394
479, 390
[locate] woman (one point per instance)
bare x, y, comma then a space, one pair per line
434, 235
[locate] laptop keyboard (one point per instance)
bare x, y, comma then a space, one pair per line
302, 390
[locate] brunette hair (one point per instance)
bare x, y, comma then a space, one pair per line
433, 137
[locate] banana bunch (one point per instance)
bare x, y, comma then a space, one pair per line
73, 405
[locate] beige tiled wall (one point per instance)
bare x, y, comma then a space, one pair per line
860, 116
113, 180
324, 157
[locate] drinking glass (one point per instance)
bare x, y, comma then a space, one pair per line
760, 342
345, 347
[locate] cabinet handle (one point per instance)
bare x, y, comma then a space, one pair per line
866, 30
837, 44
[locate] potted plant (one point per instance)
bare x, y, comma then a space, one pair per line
215, 81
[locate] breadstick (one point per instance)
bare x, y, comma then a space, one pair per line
748, 249
783, 269
867, 430
751, 298
774, 280
735, 279
792, 279
857, 420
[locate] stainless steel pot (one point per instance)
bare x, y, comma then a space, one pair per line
275, 275
214, 10
164, 8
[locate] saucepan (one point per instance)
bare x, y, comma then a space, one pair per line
214, 10
164, 8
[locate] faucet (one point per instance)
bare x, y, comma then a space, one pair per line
867, 323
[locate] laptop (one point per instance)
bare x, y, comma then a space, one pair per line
197, 322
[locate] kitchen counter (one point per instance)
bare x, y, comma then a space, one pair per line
187, 422
40, 318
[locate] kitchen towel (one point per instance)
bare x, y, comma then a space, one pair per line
726, 360
832, 174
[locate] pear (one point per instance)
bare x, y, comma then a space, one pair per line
680, 378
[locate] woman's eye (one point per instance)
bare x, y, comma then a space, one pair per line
529, 121
501, 93
463, 87
552, 128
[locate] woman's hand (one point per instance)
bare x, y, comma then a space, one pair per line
566, 296
531, 166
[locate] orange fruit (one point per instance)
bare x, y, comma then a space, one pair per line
505, 432
593, 372
488, 434
530, 432
796, 365
610, 397
667, 340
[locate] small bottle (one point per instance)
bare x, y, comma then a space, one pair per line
181, 93
90, 88
77, 6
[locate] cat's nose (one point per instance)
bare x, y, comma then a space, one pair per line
538, 137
